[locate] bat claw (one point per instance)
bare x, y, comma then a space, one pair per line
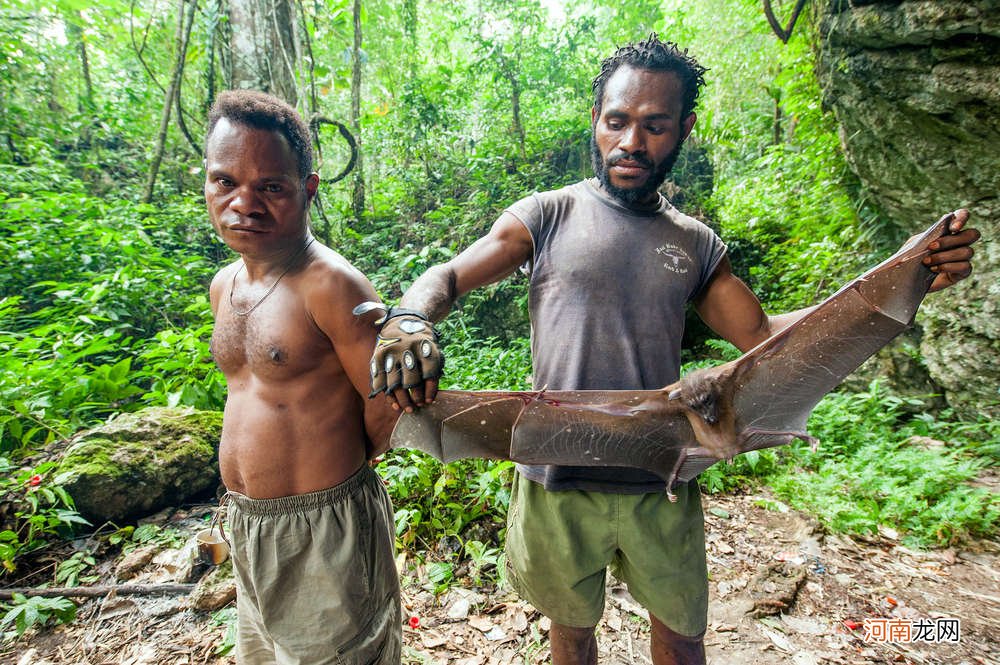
537, 397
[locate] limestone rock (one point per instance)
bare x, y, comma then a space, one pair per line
915, 85
900, 368
141, 462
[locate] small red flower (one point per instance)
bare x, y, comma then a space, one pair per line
414, 622
35, 481
851, 625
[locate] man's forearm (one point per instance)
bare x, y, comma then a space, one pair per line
433, 293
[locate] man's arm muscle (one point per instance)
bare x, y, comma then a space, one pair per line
353, 338
491, 258
731, 309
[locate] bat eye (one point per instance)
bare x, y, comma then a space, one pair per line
411, 326
389, 364
374, 367
425, 349
409, 361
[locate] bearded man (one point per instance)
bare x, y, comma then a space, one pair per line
612, 266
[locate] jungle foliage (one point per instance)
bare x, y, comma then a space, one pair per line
464, 108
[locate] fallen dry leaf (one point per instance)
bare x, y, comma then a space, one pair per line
481, 623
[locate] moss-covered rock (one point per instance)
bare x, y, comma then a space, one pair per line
915, 85
140, 463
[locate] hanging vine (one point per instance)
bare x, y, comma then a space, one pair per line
314, 124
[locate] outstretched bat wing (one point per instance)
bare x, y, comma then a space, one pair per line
760, 400
781, 380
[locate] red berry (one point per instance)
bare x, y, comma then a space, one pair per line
414, 622
35, 481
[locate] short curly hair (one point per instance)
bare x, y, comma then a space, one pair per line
260, 110
657, 56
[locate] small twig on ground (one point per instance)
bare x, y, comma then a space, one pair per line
98, 591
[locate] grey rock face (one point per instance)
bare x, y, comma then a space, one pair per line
141, 462
915, 85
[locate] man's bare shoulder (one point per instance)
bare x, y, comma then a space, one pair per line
330, 270
220, 283
333, 286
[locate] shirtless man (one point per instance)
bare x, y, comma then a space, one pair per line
310, 522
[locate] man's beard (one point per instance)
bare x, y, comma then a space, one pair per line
631, 196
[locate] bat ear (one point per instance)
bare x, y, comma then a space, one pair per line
674, 394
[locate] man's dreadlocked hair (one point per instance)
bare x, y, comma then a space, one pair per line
657, 56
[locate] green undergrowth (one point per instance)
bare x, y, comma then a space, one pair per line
881, 462
103, 308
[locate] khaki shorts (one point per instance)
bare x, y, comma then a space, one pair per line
559, 545
316, 580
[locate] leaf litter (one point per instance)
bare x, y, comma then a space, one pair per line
781, 591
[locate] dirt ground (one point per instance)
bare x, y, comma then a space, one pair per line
781, 592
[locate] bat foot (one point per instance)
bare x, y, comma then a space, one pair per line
671, 497
804, 436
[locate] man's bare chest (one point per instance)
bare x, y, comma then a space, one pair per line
277, 341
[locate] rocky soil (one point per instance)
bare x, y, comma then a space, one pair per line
781, 592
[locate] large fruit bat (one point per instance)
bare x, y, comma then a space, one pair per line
760, 400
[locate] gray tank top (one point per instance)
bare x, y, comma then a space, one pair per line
608, 289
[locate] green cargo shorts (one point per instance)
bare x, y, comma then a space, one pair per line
559, 545
316, 579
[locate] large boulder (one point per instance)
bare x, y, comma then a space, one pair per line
915, 85
140, 463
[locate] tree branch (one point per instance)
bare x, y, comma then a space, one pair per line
139, 49
783, 33
97, 591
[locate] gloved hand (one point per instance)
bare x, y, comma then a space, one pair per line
406, 350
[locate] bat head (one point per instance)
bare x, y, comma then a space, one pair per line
707, 399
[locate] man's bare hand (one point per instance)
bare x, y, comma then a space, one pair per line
951, 255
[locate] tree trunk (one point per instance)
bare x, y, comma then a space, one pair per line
413, 42
358, 200
74, 26
184, 23
215, 13
510, 70
265, 49
515, 100
776, 124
